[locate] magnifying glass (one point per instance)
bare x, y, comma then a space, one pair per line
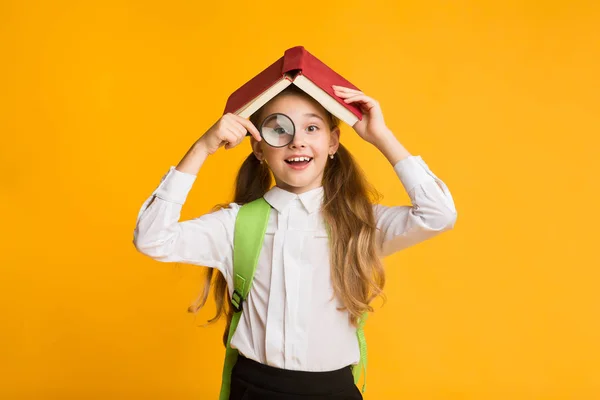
277, 130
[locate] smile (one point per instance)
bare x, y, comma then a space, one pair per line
299, 162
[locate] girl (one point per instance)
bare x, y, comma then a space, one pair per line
320, 264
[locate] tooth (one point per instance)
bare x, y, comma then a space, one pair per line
296, 159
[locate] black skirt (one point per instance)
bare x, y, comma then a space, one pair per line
251, 380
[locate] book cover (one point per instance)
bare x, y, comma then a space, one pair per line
300, 67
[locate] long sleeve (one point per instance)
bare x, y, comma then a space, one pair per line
432, 211
206, 240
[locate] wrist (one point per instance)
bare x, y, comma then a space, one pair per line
383, 139
194, 158
390, 147
201, 148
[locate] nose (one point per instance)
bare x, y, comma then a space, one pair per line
297, 141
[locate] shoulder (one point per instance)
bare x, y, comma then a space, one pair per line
228, 210
228, 213
386, 215
224, 214
378, 209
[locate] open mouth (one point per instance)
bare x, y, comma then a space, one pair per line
299, 162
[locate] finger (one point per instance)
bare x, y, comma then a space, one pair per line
346, 94
239, 134
343, 89
238, 129
362, 99
231, 139
241, 125
343, 94
234, 138
249, 127
230, 145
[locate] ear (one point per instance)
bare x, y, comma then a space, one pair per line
257, 149
334, 140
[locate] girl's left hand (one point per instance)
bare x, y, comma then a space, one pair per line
372, 127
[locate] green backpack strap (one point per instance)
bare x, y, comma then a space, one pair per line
362, 344
250, 227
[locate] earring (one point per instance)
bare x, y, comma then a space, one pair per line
331, 156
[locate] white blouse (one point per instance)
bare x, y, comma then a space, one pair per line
289, 320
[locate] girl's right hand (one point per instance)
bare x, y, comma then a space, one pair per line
229, 130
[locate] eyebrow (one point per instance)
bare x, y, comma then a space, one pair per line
314, 115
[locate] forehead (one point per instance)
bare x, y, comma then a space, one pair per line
294, 106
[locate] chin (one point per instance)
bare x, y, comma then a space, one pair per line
299, 184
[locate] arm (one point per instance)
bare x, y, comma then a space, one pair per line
206, 241
432, 211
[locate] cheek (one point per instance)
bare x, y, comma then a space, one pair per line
272, 153
322, 146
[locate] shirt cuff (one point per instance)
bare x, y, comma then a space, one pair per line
175, 186
413, 171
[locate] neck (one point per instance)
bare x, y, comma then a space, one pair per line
296, 189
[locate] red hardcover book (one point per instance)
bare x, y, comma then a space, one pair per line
301, 68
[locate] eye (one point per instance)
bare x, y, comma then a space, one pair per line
313, 126
280, 130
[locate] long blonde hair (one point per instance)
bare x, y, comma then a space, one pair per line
357, 272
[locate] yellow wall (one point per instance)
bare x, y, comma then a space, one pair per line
500, 98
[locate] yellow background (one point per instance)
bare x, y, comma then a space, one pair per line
501, 99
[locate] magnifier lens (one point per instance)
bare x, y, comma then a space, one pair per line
277, 130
